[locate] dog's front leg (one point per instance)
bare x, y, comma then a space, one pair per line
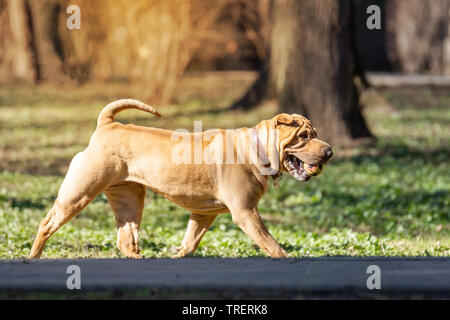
251, 223
197, 226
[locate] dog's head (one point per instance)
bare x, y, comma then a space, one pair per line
301, 153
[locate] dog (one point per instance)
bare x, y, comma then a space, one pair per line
207, 173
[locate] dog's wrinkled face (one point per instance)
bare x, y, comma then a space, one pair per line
302, 154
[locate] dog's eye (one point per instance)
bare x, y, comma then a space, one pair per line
304, 135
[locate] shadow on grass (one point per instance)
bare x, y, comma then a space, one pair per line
435, 200
147, 244
55, 167
400, 152
23, 203
434, 119
55, 125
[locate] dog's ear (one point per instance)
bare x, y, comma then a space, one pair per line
283, 119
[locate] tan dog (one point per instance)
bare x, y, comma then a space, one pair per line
208, 173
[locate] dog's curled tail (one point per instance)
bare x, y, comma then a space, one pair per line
106, 116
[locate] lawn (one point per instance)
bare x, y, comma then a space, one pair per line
391, 199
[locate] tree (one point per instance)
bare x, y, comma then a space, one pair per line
313, 66
30, 42
17, 59
47, 44
416, 31
413, 36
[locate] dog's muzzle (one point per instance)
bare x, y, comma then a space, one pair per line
300, 170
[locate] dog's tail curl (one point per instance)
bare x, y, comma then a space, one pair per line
106, 116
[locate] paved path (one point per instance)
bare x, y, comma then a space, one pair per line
300, 276
391, 80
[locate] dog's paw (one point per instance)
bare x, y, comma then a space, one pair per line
174, 249
180, 254
131, 255
279, 254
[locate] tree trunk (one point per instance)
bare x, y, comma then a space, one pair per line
371, 44
47, 44
17, 60
415, 34
262, 30
256, 93
30, 47
312, 66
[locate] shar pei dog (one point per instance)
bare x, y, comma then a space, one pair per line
207, 173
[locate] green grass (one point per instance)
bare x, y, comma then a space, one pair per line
391, 199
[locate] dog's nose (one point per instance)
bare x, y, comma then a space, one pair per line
329, 152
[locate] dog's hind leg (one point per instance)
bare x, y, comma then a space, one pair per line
197, 226
85, 179
127, 201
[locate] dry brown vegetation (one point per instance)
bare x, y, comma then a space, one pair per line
149, 43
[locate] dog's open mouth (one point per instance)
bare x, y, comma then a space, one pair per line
300, 170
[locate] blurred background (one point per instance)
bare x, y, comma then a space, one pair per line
380, 96
310, 56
